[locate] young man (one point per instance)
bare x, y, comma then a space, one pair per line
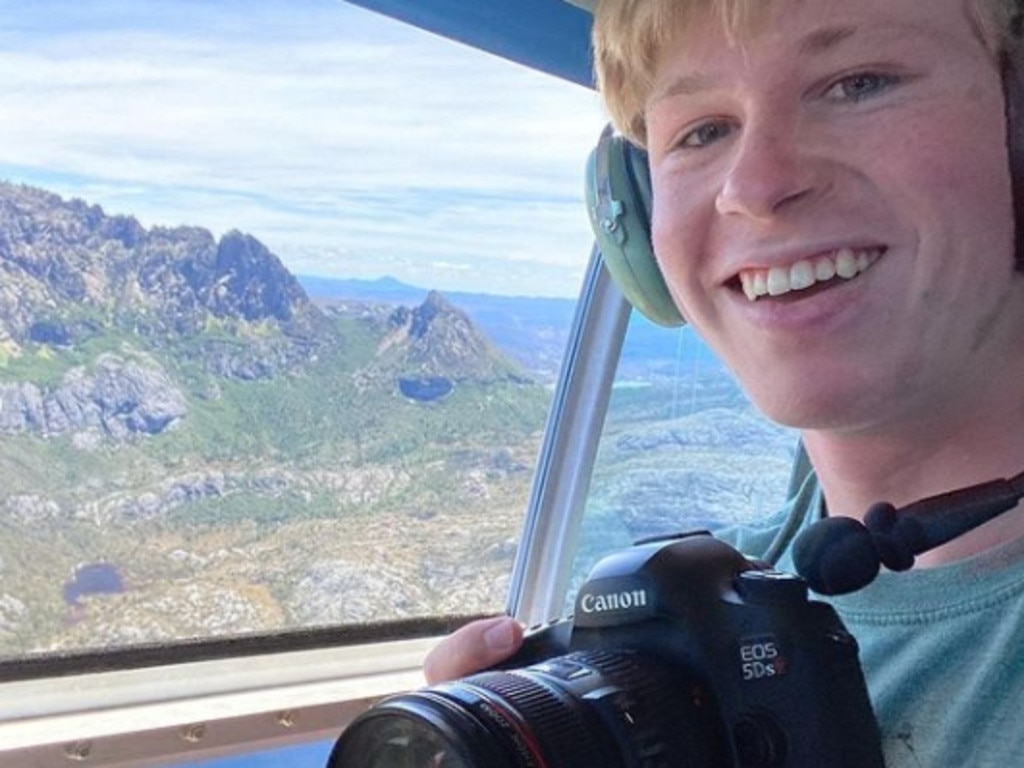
834, 214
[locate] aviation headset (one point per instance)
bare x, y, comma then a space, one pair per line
618, 194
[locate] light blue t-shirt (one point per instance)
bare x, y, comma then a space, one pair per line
942, 648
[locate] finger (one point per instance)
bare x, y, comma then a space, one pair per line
476, 646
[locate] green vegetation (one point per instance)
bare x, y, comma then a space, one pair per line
249, 469
179, 418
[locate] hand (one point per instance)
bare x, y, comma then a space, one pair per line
476, 646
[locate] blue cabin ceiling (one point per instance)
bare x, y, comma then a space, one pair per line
552, 36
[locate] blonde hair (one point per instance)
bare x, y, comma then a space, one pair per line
630, 34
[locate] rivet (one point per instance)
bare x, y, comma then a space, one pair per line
78, 750
193, 733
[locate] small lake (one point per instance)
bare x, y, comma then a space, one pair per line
93, 579
426, 388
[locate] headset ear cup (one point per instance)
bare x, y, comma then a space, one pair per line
618, 194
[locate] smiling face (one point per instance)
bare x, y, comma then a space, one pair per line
832, 207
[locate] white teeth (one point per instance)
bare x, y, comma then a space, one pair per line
824, 269
845, 263
748, 287
760, 283
801, 275
778, 281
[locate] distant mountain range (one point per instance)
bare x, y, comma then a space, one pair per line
531, 330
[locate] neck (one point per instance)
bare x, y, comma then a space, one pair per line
925, 457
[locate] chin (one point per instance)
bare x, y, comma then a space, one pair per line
803, 410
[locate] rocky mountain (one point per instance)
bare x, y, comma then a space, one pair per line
112, 396
428, 350
67, 267
533, 330
96, 311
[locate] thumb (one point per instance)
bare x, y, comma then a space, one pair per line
472, 648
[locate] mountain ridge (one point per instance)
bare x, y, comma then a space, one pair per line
101, 318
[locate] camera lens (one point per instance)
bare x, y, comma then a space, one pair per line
400, 736
590, 709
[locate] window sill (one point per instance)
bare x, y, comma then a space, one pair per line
183, 712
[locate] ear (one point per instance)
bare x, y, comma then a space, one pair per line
1012, 70
619, 203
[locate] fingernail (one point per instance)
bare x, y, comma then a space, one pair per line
499, 638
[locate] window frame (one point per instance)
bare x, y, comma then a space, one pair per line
543, 567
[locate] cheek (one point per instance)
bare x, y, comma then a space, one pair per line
679, 235
974, 186
966, 230
968, 190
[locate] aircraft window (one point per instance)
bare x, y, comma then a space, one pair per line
284, 294
681, 449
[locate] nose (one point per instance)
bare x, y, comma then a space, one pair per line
771, 170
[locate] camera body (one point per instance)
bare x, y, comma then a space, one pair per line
681, 653
780, 671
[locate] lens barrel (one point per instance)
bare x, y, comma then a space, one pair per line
589, 709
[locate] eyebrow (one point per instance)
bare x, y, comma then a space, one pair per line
821, 40
817, 42
687, 85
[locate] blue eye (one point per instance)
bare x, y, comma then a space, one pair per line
860, 86
706, 133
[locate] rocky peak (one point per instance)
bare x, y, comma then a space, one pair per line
436, 306
438, 340
60, 260
247, 280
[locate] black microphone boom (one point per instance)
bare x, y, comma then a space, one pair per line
839, 554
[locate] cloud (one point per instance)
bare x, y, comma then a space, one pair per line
349, 143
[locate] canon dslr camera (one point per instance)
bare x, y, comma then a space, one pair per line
681, 653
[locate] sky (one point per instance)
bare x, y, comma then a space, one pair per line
350, 144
